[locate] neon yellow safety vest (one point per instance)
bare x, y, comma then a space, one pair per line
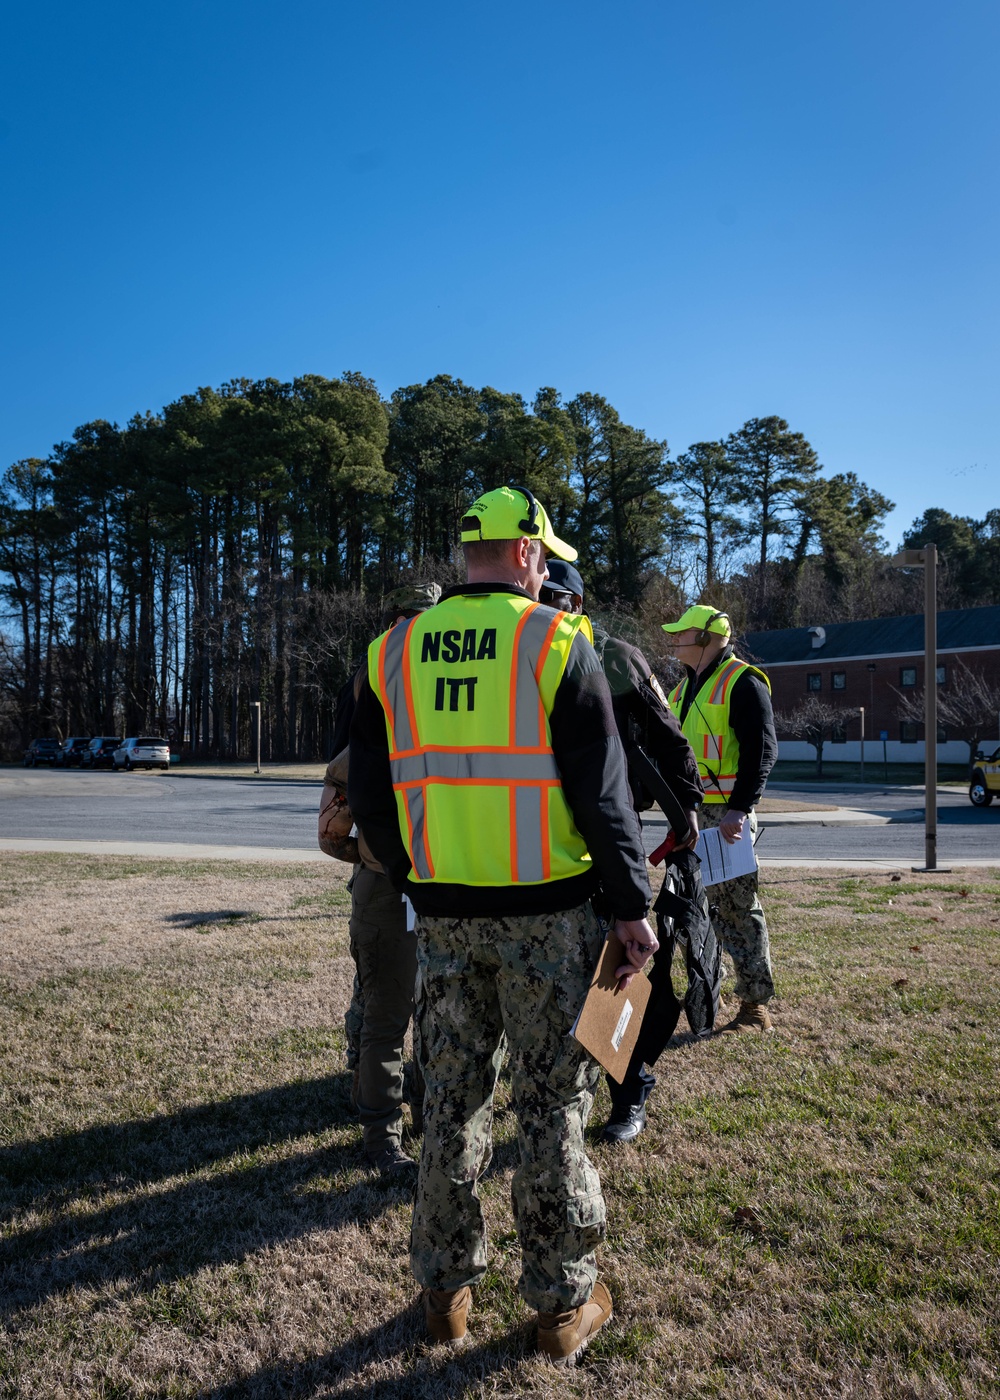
467, 688
706, 728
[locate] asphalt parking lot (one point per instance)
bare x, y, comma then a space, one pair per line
275, 816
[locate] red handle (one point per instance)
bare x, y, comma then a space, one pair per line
663, 849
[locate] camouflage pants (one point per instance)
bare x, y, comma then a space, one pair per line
739, 920
480, 979
385, 956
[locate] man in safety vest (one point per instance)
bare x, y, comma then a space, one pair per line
724, 706
489, 778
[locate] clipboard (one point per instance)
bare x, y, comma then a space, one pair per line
609, 1021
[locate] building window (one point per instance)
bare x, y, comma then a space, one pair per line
838, 734
814, 681
838, 680
942, 675
907, 732
907, 676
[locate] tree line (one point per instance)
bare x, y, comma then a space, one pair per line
235, 547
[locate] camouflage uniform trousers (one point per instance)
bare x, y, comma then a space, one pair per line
385, 956
480, 979
739, 920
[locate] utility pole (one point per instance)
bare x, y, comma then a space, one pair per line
255, 706
926, 559
861, 711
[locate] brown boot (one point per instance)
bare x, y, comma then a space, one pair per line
752, 1016
563, 1336
447, 1314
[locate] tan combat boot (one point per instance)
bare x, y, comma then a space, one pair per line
447, 1314
563, 1336
752, 1016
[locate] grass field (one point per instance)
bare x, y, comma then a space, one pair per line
186, 1211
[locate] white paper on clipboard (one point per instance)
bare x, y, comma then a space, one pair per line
411, 915
722, 859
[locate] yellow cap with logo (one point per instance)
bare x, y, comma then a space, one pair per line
508, 513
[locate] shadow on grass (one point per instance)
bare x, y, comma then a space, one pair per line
197, 919
430, 1370
152, 1238
148, 1149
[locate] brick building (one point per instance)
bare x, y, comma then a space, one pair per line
863, 664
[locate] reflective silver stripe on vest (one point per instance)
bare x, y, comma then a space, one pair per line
416, 807
402, 734
528, 807
716, 696
528, 699
474, 767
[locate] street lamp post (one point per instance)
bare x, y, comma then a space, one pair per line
255, 706
926, 559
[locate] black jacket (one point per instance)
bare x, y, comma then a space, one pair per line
643, 718
591, 762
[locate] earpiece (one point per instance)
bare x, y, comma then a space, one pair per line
529, 525
705, 636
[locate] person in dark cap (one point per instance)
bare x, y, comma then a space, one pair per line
383, 948
644, 718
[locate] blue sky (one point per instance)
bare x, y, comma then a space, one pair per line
705, 212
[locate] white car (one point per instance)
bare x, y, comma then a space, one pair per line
147, 751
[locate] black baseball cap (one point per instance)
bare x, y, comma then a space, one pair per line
563, 578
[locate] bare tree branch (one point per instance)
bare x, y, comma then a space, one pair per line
969, 704
814, 721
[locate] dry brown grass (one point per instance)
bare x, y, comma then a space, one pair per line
186, 1211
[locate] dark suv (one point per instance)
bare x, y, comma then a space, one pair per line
41, 751
98, 752
71, 753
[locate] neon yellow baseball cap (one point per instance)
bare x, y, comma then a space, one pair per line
703, 616
508, 513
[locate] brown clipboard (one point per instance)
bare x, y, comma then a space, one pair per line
609, 1020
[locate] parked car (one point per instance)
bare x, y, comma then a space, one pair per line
147, 751
41, 751
72, 751
985, 782
98, 753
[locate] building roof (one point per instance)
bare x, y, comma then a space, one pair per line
961, 629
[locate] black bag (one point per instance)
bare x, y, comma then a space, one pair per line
682, 917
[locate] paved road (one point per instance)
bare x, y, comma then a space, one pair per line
158, 807
170, 809
962, 835
873, 823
